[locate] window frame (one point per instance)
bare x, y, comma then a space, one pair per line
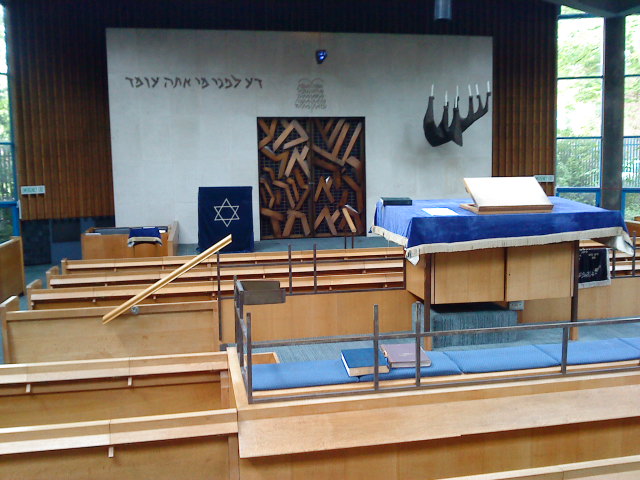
597, 190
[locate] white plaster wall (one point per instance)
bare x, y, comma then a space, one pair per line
167, 142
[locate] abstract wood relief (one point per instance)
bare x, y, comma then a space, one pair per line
312, 178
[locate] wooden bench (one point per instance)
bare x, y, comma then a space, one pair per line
11, 268
189, 326
76, 297
172, 262
112, 243
124, 418
75, 334
163, 416
227, 272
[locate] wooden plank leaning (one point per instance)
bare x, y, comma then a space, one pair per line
116, 312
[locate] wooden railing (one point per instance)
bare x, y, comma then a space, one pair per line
151, 289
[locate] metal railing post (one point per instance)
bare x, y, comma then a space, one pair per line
565, 349
249, 361
218, 295
376, 349
315, 268
290, 273
633, 258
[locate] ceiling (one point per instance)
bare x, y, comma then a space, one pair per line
602, 8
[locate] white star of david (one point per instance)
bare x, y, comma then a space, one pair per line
232, 213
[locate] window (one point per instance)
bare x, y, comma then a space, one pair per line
579, 124
631, 155
8, 194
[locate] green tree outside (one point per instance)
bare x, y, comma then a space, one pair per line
580, 104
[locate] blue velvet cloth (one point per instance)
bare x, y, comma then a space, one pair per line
440, 365
501, 359
144, 235
419, 228
275, 376
145, 232
599, 351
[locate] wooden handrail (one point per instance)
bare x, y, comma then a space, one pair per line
116, 312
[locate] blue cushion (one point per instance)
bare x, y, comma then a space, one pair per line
599, 351
501, 359
634, 342
440, 365
274, 376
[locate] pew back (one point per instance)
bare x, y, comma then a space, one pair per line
78, 333
11, 268
172, 262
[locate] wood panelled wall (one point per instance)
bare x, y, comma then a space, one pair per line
60, 97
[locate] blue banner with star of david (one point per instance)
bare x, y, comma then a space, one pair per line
223, 211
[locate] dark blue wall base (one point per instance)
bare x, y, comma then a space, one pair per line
49, 241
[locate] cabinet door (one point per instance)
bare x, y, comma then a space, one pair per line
473, 276
540, 271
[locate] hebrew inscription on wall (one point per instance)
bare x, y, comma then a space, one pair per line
196, 82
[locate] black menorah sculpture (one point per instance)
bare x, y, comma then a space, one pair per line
447, 132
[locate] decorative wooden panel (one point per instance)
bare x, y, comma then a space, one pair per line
312, 181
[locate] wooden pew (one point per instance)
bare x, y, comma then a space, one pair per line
96, 246
619, 468
11, 268
171, 263
187, 327
90, 390
74, 334
210, 273
434, 433
163, 416
634, 227
125, 418
76, 297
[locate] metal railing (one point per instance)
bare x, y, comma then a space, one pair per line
582, 194
244, 342
579, 159
315, 262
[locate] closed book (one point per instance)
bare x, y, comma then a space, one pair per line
403, 355
387, 201
359, 361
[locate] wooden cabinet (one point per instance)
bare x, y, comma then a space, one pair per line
540, 271
496, 274
112, 243
461, 277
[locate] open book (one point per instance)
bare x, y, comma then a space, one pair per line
403, 355
506, 195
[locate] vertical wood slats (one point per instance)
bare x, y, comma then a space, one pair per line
58, 62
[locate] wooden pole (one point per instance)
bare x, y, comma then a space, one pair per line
151, 289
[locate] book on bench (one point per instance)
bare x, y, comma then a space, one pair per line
359, 361
403, 355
